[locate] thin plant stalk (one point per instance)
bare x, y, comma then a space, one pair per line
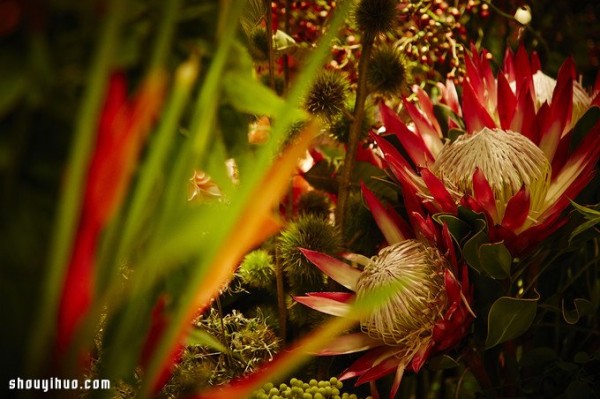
355, 130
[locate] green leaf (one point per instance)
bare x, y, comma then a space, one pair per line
495, 260
372, 177
453, 134
457, 228
204, 338
471, 247
588, 212
584, 125
509, 318
251, 96
582, 307
320, 176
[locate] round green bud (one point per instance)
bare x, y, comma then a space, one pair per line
308, 232
313, 383
388, 72
306, 395
314, 203
374, 17
257, 270
268, 386
273, 391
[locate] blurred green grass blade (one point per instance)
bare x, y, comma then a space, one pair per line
165, 34
69, 204
284, 118
153, 169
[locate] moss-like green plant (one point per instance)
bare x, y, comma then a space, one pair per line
250, 342
310, 232
257, 270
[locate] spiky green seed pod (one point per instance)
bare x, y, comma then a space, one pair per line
309, 232
314, 203
388, 71
375, 17
327, 95
257, 270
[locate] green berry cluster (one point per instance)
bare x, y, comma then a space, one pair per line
298, 389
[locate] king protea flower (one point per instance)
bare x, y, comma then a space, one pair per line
518, 162
430, 313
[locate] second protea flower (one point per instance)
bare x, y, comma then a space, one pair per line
520, 159
428, 312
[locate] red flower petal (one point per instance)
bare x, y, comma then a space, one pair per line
507, 102
394, 229
425, 128
475, 115
524, 118
339, 271
412, 143
325, 303
523, 73
438, 191
517, 210
482, 192
558, 116
349, 343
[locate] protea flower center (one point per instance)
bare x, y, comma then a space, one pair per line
508, 160
408, 318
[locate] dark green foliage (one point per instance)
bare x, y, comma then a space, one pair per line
327, 94
375, 17
257, 270
388, 71
310, 232
314, 203
339, 127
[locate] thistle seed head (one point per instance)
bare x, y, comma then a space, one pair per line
508, 160
375, 17
327, 96
388, 71
408, 318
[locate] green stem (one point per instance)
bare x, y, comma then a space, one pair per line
355, 130
70, 202
280, 298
